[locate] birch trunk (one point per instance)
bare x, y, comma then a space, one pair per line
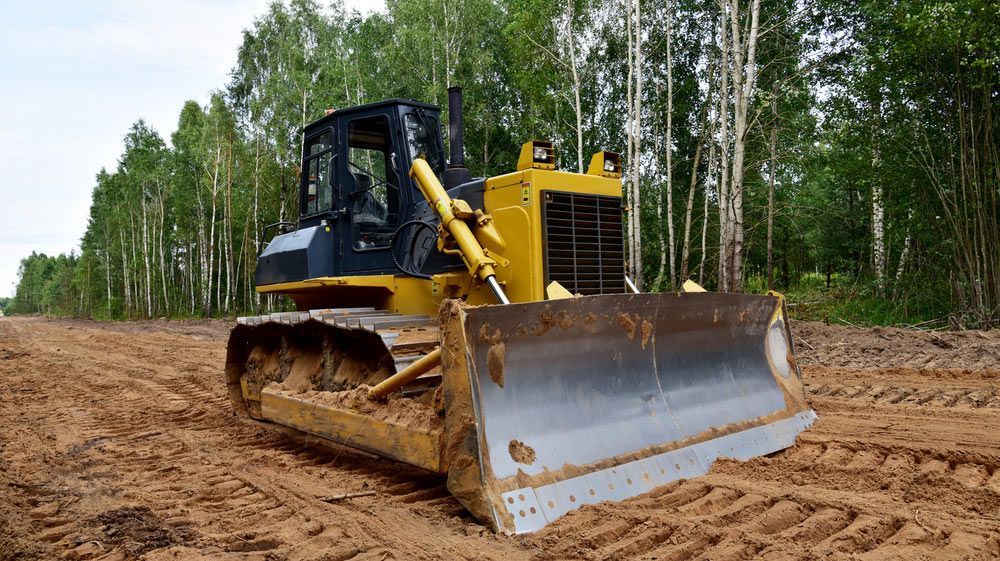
878, 234
905, 254
230, 292
637, 147
215, 173
770, 194
878, 224
136, 277
107, 266
670, 149
256, 226
725, 224
710, 177
191, 276
576, 85
145, 259
744, 76
661, 242
163, 261
632, 209
218, 272
125, 281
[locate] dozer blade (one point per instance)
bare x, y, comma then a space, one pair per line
601, 398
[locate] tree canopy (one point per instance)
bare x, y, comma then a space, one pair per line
766, 143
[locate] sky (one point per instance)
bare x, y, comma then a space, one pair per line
74, 76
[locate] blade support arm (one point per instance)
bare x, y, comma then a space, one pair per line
453, 214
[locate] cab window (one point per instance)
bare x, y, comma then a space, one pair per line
317, 177
374, 199
422, 139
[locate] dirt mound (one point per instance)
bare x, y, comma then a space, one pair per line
885, 347
117, 441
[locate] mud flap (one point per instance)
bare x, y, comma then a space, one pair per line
601, 398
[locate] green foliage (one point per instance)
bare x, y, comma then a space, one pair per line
47, 285
862, 97
845, 300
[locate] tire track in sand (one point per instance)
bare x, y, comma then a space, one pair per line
880, 476
124, 424
145, 436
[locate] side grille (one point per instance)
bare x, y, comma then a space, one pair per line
583, 246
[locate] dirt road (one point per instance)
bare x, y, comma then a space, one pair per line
116, 441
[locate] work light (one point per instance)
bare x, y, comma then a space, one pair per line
540, 154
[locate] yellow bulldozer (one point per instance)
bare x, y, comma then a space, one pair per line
485, 328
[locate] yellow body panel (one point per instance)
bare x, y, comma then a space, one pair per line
514, 200
413, 445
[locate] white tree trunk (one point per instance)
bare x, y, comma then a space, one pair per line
576, 84
230, 290
256, 226
207, 304
107, 265
192, 247
905, 254
671, 254
637, 148
125, 282
633, 208
725, 222
136, 276
202, 248
661, 242
878, 234
711, 177
210, 249
744, 78
772, 168
163, 261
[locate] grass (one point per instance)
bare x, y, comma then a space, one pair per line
860, 302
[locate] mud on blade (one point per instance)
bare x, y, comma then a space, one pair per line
592, 399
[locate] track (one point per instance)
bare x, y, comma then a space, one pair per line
118, 442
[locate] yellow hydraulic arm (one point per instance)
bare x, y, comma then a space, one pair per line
453, 214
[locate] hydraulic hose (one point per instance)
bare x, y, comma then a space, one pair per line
392, 246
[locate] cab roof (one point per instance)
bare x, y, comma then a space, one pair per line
368, 106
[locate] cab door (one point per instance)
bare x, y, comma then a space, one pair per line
319, 191
370, 181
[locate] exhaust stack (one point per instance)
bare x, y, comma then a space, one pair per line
457, 173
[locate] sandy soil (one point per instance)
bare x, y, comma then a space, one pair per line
117, 442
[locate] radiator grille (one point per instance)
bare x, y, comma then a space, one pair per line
584, 250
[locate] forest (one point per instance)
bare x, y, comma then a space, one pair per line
842, 151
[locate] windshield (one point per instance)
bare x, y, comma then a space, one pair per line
422, 140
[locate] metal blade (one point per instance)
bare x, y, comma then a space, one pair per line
600, 398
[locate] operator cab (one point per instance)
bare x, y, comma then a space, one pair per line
355, 190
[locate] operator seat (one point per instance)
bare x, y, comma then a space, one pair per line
367, 210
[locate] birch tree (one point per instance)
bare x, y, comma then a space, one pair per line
634, 134
743, 40
668, 253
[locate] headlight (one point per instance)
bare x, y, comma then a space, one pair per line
605, 164
537, 154
777, 347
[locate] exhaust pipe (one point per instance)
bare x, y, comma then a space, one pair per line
457, 173
455, 125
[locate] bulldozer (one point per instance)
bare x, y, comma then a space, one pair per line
485, 328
